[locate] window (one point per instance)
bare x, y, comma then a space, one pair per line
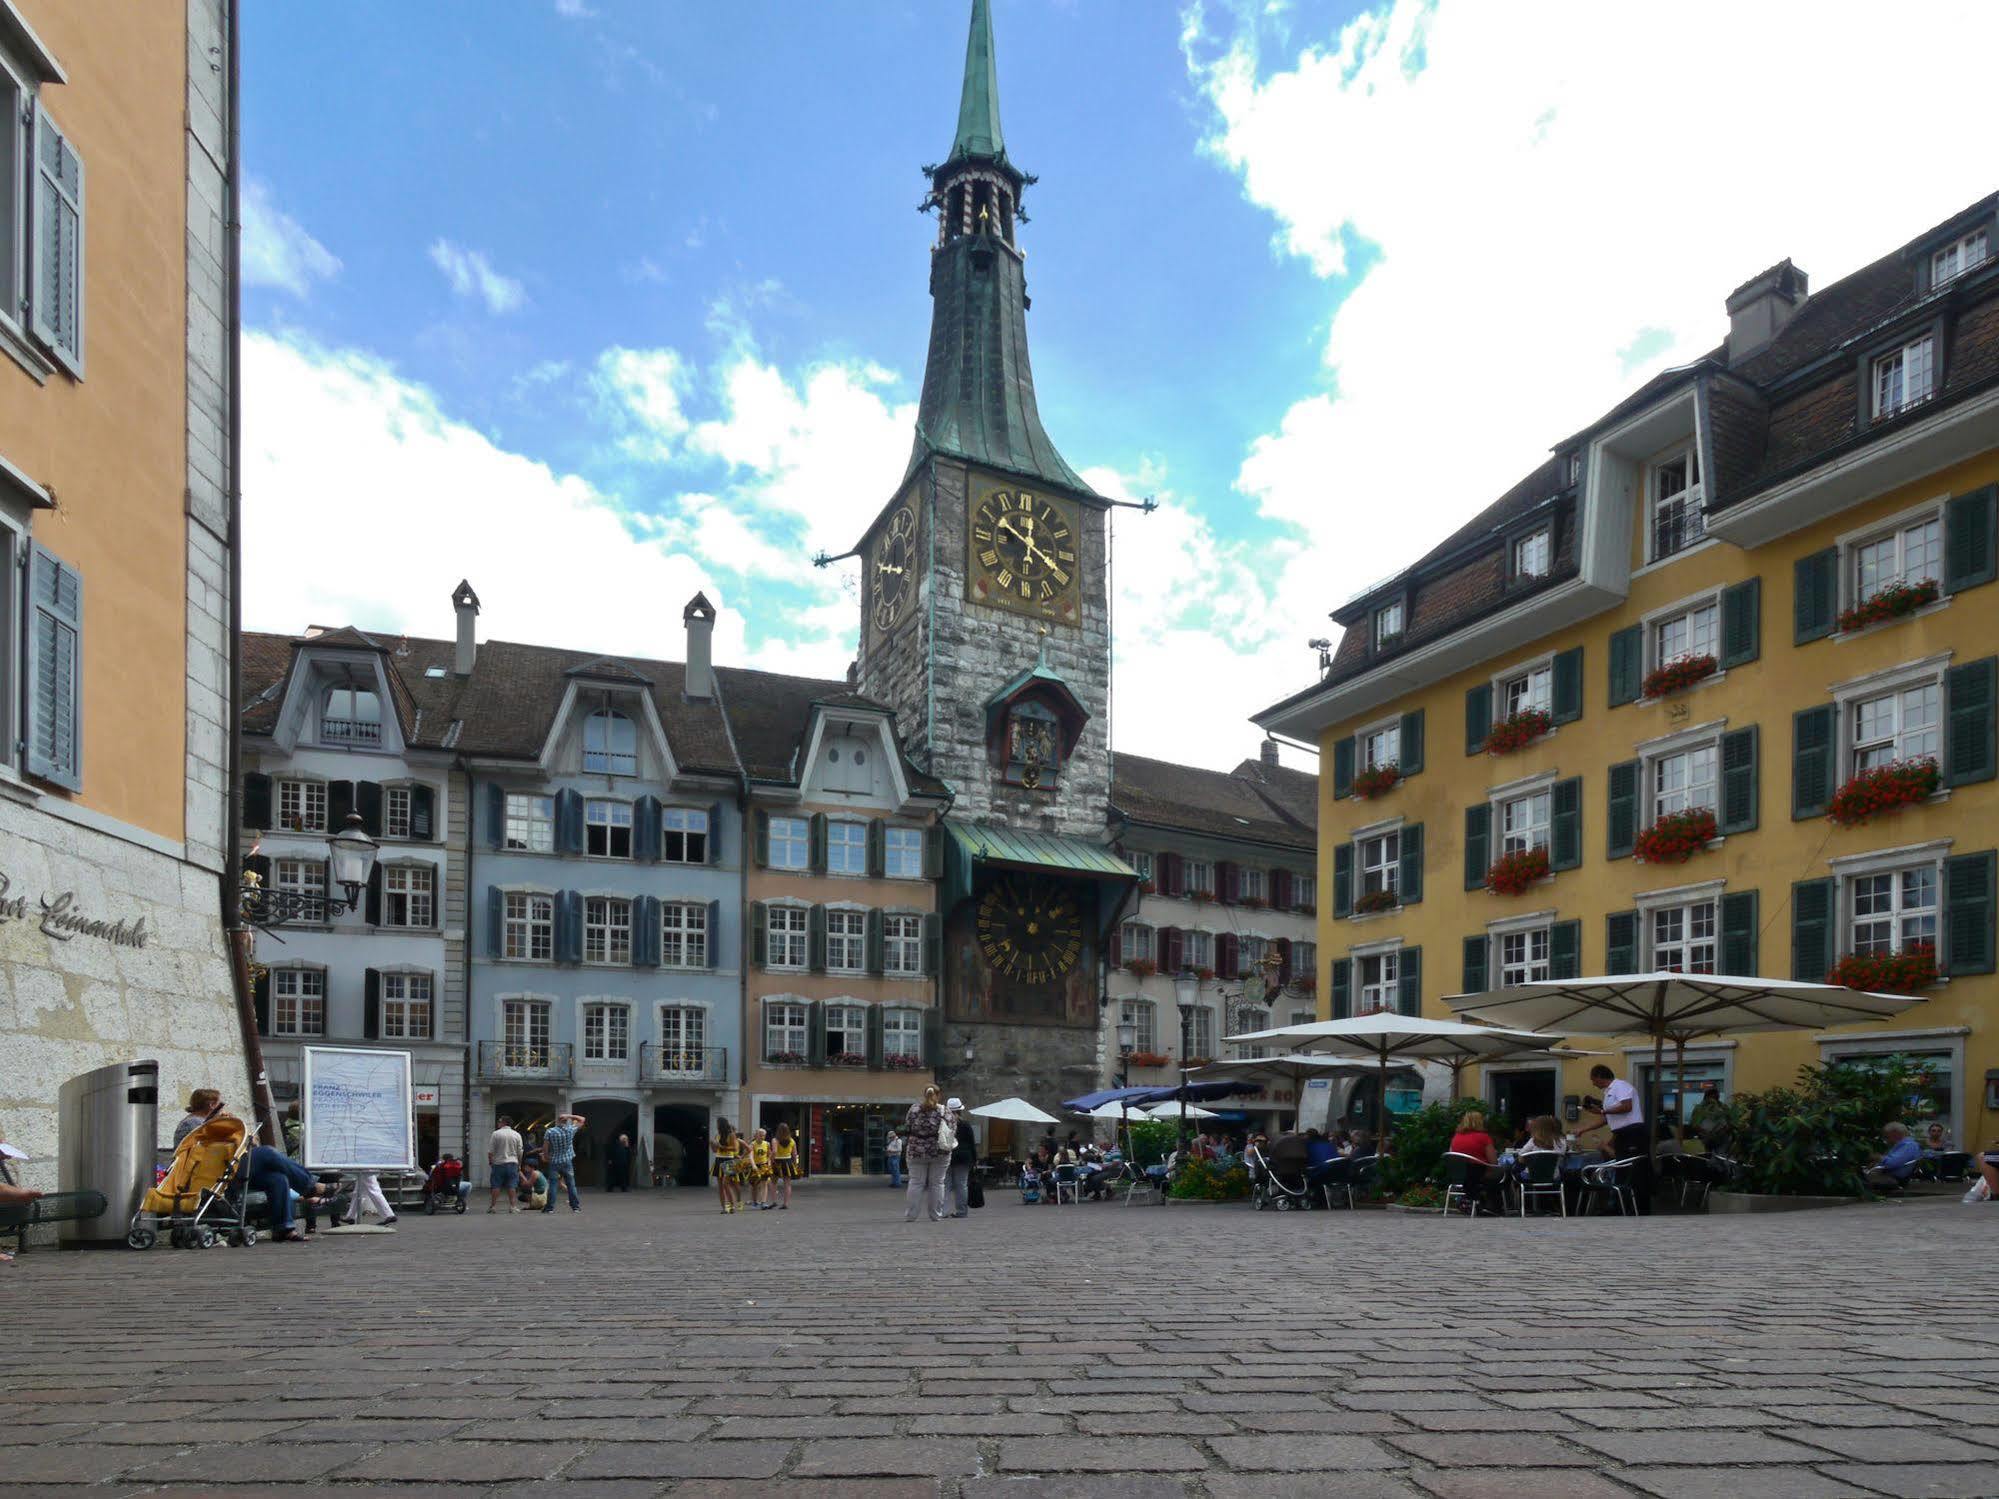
1684, 780
528, 927
1253, 884
610, 744
1304, 891
17, 175
1197, 1032
846, 941
302, 806
1382, 746
1200, 876
683, 836
1894, 910
1380, 981
902, 1035
409, 895
1304, 959
1956, 258
1304, 1017
683, 936
1691, 632
524, 1032
683, 1036
1197, 949
790, 843
902, 945
396, 802
1934, 1100
785, 941
607, 930
1135, 942
1141, 864
1250, 953
1531, 554
846, 848
298, 1002
1909, 554
1533, 689
785, 1026
1380, 864
1143, 1018
1677, 521
351, 715
607, 828
1899, 725
1683, 938
1523, 822
607, 1033
406, 999
1388, 624
1701, 1074
902, 853
1904, 377
1523, 956
301, 877
847, 1035
530, 823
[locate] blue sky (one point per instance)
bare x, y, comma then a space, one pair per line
601, 302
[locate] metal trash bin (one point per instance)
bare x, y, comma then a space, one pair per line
107, 1121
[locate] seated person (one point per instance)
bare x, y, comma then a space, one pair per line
280, 1178
1471, 1139
1986, 1188
533, 1190
1898, 1161
1320, 1154
1544, 1133
1936, 1142
446, 1181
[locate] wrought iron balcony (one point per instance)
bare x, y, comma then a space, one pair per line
509, 1061
682, 1064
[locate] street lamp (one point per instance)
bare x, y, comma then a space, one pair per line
1127, 1043
353, 858
353, 855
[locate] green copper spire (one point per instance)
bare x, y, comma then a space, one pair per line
978, 108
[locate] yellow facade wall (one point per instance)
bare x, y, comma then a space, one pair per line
1784, 679
113, 446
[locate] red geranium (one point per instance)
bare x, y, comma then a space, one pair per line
1141, 967
1885, 788
1375, 900
1513, 873
1376, 780
1677, 836
1517, 729
1896, 599
1677, 675
1149, 1059
1904, 972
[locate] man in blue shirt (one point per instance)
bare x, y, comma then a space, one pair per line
1898, 1160
558, 1148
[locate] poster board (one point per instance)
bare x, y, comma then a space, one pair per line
357, 1110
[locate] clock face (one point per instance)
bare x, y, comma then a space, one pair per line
892, 571
1023, 554
1030, 930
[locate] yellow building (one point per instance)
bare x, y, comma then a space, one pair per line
1743, 592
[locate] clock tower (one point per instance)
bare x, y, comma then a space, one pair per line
985, 625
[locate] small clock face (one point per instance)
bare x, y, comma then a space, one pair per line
892, 573
1024, 554
1030, 930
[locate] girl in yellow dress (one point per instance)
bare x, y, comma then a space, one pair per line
760, 1170
784, 1162
726, 1148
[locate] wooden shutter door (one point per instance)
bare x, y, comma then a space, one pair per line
1971, 705
1971, 539
1738, 933
55, 261
1411, 748
1622, 819
1343, 753
1342, 879
1409, 981
1813, 732
1620, 953
1813, 921
1342, 987
1814, 595
1478, 718
1478, 841
1565, 824
1971, 894
1739, 774
1565, 697
371, 1005
1476, 950
1741, 622
1565, 950
1409, 878
55, 669
1627, 664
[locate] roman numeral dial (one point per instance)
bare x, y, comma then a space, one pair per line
892, 571
1023, 553
1030, 930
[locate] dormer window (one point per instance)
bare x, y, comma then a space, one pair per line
1532, 554
351, 715
1904, 377
1677, 519
610, 744
1387, 624
1959, 256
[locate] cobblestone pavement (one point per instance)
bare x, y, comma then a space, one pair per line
652, 1346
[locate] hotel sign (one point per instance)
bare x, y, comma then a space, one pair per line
59, 917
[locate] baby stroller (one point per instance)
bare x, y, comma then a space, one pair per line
1277, 1179
445, 1189
202, 1197
1030, 1183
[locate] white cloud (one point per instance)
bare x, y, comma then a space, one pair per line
647, 384
471, 274
277, 250
1544, 205
573, 10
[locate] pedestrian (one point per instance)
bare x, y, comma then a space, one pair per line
503, 1165
1621, 1109
894, 1159
725, 1147
278, 1176
963, 1154
533, 1190
294, 1132
368, 1194
558, 1153
784, 1162
201, 1104
928, 1138
618, 1165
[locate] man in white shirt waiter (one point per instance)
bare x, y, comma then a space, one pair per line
1624, 1112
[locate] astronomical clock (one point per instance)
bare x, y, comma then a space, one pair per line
1022, 549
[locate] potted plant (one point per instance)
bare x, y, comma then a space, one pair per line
1678, 675
1252, 902
1150, 1059
1192, 1062
1514, 873
903, 1062
1375, 780
1141, 967
1517, 730
1148, 887
1884, 788
1677, 836
1893, 601
847, 1059
1375, 900
1201, 897
1306, 983
1205, 975
784, 1059
1909, 971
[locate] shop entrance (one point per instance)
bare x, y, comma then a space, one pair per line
680, 1144
426, 1139
1517, 1097
604, 1119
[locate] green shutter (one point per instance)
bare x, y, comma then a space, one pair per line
759, 935
1971, 894
1623, 810
1342, 988
1411, 748
1565, 824
1811, 930
1971, 539
1565, 950
1342, 879
1478, 837
1478, 717
1566, 695
933, 853
1627, 664
818, 841
933, 945
257, 802
1620, 949
1343, 753
1738, 934
53, 721
1741, 622
1409, 879
877, 849
1476, 949
815, 940
874, 1036
1814, 595
1739, 775
1813, 731
815, 1033
1971, 706
1409, 981
763, 839
873, 940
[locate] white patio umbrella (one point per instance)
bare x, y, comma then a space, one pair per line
1676, 1007
1172, 1110
1017, 1110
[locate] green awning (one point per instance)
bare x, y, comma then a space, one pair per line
965, 848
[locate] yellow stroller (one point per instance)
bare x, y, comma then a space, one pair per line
203, 1196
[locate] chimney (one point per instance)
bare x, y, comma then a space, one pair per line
1759, 308
700, 618
1270, 753
466, 602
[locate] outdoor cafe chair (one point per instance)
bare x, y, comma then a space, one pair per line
1465, 1179
1068, 1180
1335, 1178
1538, 1174
1944, 1166
1139, 1179
1612, 1180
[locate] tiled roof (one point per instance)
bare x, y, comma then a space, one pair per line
1294, 793
1218, 803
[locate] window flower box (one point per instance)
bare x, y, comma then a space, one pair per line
1912, 969
847, 1059
1150, 1059
1885, 788
1518, 730
784, 1059
1895, 601
1375, 780
1312, 910
902, 1062
1141, 967
1514, 873
1148, 887
1192, 1062
1678, 675
1677, 836
1306, 983
1375, 900
1205, 975
1253, 902
1201, 897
